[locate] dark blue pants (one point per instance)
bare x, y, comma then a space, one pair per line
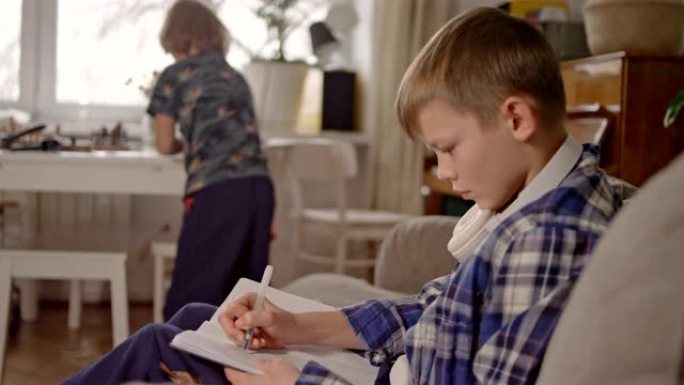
138, 358
225, 236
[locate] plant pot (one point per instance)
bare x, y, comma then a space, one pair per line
277, 90
642, 27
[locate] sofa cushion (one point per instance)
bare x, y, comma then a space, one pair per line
415, 252
336, 290
624, 323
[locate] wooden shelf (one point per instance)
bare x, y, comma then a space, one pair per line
637, 89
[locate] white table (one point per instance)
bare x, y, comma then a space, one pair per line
111, 172
107, 172
125, 172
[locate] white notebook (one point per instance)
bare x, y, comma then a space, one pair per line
209, 341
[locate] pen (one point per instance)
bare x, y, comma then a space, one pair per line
268, 272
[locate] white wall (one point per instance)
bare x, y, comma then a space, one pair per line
362, 59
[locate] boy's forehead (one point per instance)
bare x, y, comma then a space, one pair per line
437, 136
439, 106
437, 113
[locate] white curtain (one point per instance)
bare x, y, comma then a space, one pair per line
402, 28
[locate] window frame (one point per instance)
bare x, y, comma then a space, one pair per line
47, 107
27, 58
38, 76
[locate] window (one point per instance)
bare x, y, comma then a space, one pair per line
91, 67
104, 58
10, 49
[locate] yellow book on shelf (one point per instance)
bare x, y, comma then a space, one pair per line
523, 7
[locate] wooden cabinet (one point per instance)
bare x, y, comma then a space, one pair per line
637, 90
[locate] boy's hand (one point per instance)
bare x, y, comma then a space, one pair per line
276, 372
274, 327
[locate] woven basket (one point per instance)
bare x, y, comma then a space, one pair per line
646, 27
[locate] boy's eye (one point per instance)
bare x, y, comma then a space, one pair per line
446, 150
442, 150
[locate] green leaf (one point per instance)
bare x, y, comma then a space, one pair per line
673, 109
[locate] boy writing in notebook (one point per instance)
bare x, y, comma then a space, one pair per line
486, 95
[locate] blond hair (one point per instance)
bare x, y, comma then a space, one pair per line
192, 26
475, 62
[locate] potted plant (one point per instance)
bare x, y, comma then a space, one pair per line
277, 14
673, 109
277, 84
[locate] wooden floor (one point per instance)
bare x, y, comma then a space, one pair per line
46, 352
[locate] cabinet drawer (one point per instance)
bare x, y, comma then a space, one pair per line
588, 82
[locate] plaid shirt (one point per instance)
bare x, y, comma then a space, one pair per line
490, 320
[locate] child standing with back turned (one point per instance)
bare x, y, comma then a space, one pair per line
229, 198
486, 95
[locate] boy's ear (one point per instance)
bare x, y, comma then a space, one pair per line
520, 118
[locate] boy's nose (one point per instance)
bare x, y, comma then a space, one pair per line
446, 172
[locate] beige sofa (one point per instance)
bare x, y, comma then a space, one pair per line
624, 323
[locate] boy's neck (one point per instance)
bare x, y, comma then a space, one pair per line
540, 153
560, 158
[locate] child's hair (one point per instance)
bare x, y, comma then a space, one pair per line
475, 62
190, 25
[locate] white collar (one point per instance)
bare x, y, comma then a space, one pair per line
550, 177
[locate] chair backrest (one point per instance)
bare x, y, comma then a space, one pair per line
276, 151
322, 160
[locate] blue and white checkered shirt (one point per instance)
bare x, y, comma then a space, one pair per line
490, 320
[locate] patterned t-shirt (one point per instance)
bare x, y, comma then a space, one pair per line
213, 105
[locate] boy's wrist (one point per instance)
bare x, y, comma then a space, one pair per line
297, 334
311, 329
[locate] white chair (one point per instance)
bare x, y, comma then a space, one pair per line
163, 250
39, 261
79, 245
334, 162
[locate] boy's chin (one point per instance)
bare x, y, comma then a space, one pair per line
483, 205
489, 205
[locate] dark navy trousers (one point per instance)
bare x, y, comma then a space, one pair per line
138, 358
225, 236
